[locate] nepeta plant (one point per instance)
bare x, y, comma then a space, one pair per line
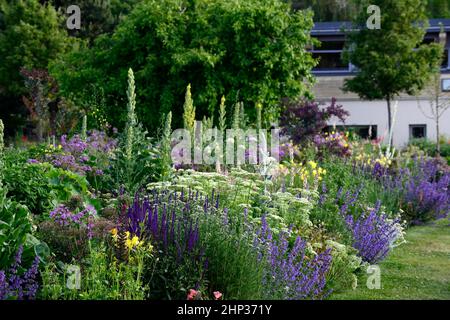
291, 273
374, 234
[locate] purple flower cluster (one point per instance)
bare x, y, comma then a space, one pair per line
427, 192
290, 272
166, 218
423, 190
77, 153
373, 234
64, 217
16, 286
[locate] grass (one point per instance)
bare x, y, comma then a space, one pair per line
418, 269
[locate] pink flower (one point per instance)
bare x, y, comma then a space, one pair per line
217, 295
192, 294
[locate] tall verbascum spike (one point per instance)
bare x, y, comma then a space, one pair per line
131, 115
236, 115
166, 163
258, 116
189, 111
84, 128
222, 115
242, 119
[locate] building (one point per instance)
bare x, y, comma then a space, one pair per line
369, 118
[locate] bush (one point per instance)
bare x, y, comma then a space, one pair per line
203, 43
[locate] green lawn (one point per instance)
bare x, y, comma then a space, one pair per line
419, 269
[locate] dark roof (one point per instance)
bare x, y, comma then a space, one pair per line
331, 28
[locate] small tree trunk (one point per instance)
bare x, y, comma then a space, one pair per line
438, 145
390, 137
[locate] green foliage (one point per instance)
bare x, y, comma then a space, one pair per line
345, 10
101, 279
257, 48
430, 147
233, 265
98, 17
37, 29
40, 186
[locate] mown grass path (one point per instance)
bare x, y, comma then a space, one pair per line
419, 269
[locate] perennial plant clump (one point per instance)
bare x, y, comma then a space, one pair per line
15, 284
291, 273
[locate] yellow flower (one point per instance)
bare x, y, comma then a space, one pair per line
59, 146
312, 164
132, 243
114, 232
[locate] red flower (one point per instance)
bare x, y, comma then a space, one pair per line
192, 294
217, 295
24, 138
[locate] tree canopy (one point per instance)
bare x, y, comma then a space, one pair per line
253, 51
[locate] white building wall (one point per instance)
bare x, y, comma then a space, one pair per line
408, 113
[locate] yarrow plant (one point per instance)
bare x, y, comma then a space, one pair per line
17, 285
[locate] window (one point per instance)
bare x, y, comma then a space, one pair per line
329, 54
446, 85
445, 60
417, 131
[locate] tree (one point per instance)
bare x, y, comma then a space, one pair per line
31, 36
97, 17
391, 60
253, 50
439, 100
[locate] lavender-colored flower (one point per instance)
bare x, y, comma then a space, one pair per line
19, 286
290, 275
173, 232
373, 234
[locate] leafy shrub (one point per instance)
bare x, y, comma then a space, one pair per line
40, 185
204, 46
304, 120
